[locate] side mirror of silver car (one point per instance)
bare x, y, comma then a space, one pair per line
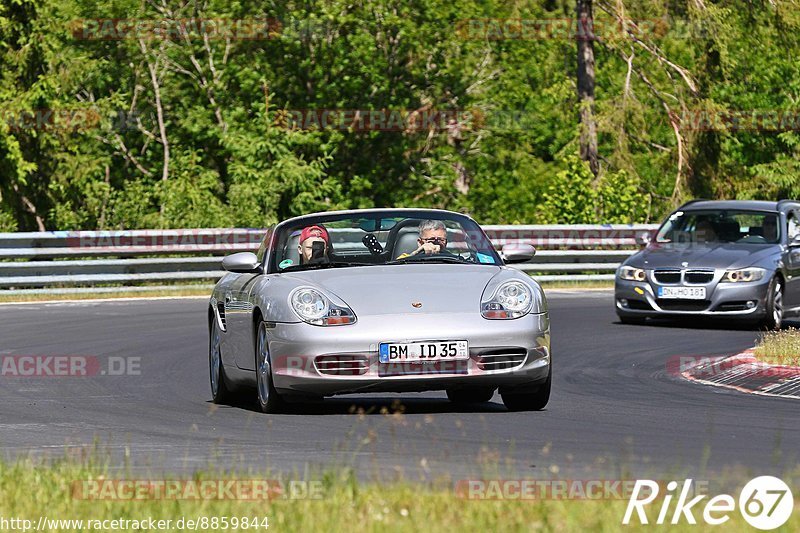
242, 262
517, 253
643, 238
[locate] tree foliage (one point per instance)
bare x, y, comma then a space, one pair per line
691, 99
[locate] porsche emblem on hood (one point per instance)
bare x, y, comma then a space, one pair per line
416, 305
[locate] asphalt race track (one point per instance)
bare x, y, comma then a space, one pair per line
616, 407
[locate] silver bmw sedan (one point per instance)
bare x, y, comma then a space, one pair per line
732, 259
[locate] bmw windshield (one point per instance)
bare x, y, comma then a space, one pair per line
721, 226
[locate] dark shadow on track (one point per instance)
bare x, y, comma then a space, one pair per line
704, 323
375, 406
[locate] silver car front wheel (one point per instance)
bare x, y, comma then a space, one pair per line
219, 389
534, 400
268, 398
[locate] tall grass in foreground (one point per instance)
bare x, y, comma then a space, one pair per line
779, 347
29, 490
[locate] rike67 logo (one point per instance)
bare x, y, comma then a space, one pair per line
765, 502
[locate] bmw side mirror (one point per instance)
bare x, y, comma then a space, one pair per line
643, 238
517, 253
242, 263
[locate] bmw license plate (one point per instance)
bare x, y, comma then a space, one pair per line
423, 352
686, 293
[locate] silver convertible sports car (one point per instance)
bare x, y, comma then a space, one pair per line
379, 300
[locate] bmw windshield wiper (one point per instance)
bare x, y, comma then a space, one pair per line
327, 264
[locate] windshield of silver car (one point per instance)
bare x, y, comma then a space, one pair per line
348, 240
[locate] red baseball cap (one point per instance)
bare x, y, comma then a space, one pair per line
314, 231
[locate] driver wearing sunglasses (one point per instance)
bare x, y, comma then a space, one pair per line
432, 239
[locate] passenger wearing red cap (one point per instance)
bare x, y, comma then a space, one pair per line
309, 236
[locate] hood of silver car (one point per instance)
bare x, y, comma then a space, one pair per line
408, 288
710, 255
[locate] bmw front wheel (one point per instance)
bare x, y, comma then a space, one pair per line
774, 304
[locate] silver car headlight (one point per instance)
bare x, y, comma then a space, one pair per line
743, 275
511, 299
313, 307
631, 274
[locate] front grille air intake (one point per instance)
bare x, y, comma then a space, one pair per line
698, 276
667, 276
342, 365
683, 305
501, 358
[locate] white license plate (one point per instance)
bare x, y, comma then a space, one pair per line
686, 293
423, 351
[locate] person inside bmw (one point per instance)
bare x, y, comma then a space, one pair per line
432, 239
705, 231
313, 245
770, 228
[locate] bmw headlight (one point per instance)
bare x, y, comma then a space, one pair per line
313, 307
630, 273
512, 299
743, 275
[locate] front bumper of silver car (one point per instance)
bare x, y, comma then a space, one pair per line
745, 300
307, 359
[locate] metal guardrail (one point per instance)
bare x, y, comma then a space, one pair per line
85, 261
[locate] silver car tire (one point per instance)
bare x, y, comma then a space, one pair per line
219, 388
535, 400
268, 398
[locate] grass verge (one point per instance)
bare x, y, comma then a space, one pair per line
576, 284
779, 347
30, 490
